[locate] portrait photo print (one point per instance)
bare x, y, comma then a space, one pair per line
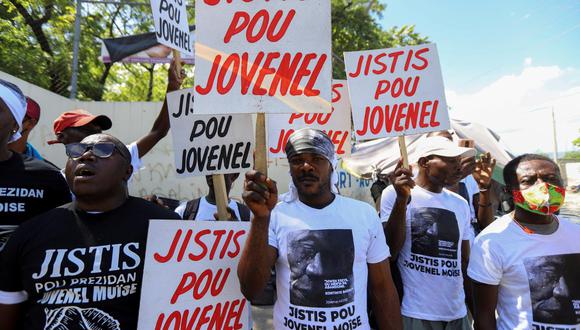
555, 288
321, 263
434, 232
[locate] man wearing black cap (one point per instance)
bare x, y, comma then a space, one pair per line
326, 247
80, 266
429, 227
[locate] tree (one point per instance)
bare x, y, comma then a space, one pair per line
37, 38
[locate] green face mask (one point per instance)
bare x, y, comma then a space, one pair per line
541, 198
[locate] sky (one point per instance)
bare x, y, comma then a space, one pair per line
505, 64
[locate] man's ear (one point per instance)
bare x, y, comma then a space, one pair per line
128, 173
422, 162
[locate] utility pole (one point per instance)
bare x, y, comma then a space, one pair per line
76, 42
554, 133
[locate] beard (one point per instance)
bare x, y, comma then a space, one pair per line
315, 189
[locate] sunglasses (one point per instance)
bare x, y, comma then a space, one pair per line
101, 149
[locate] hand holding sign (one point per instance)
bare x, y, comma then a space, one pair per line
402, 181
260, 194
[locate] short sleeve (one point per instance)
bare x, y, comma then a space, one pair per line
378, 249
468, 233
135, 159
484, 265
388, 198
180, 209
471, 185
272, 238
11, 287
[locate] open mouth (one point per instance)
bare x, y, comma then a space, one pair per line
84, 172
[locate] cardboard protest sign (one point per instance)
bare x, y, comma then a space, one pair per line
171, 26
396, 91
189, 279
336, 124
263, 56
208, 144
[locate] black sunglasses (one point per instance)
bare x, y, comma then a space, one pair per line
101, 149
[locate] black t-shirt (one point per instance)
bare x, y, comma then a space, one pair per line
79, 267
28, 187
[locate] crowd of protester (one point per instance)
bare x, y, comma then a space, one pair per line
434, 256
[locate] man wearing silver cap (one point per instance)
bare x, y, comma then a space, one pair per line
326, 247
429, 228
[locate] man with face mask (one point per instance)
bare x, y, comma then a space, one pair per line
326, 247
526, 264
429, 228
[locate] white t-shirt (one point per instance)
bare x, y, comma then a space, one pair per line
472, 189
538, 275
206, 210
135, 160
322, 271
430, 259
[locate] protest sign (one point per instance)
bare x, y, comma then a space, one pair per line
263, 56
336, 124
189, 277
396, 91
208, 144
171, 25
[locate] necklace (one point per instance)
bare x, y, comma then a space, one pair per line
526, 229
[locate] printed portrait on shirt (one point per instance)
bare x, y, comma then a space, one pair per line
321, 263
434, 232
72, 317
5, 232
555, 288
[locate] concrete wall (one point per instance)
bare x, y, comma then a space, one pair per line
131, 120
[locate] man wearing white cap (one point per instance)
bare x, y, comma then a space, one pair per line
28, 186
429, 228
326, 247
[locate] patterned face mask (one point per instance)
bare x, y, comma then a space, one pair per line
541, 198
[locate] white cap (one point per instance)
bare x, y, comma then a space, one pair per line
440, 146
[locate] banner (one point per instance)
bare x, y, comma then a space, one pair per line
190, 277
336, 124
171, 26
267, 56
208, 144
396, 91
139, 48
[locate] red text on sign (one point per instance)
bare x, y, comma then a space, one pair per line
199, 285
399, 117
259, 25
393, 61
226, 316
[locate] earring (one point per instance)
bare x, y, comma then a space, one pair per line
14, 131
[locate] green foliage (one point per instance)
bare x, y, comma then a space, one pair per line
576, 142
37, 45
572, 154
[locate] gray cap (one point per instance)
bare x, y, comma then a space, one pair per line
309, 140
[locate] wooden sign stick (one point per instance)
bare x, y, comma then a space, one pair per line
221, 196
177, 58
260, 156
403, 149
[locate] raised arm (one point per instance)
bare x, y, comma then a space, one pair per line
258, 257
395, 227
161, 124
482, 175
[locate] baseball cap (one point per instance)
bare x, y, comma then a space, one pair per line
32, 109
78, 118
440, 146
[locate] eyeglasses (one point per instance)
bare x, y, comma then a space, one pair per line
101, 149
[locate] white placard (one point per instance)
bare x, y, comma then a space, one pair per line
171, 24
208, 144
263, 56
190, 276
396, 91
336, 124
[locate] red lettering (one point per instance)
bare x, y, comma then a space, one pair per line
424, 114
265, 70
285, 73
226, 244
408, 61
400, 116
433, 122
187, 283
200, 243
358, 68
238, 249
169, 255
294, 116
380, 63
382, 87
232, 59
265, 17
309, 89
247, 77
395, 56
413, 90
421, 58
336, 96
274, 37
237, 25
218, 234
363, 131
203, 91
376, 120
412, 115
